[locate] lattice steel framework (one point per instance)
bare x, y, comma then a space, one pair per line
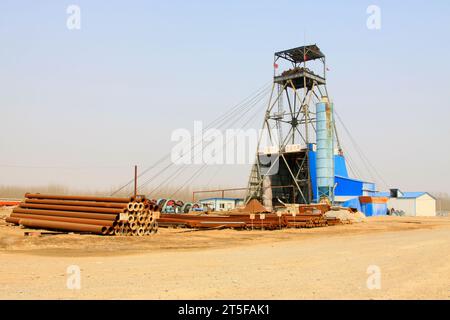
289, 127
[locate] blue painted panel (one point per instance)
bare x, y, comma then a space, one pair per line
412, 194
374, 209
352, 203
340, 168
312, 172
369, 189
348, 187
369, 186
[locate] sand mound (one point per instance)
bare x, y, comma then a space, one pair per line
345, 215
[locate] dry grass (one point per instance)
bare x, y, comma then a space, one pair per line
17, 192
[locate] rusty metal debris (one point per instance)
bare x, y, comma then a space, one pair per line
307, 216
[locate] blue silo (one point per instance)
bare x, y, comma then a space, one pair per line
325, 150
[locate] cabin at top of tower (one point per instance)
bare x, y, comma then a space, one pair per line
297, 75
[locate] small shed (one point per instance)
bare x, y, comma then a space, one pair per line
222, 204
420, 204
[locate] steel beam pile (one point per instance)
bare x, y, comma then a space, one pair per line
331, 221
235, 221
305, 220
86, 214
268, 221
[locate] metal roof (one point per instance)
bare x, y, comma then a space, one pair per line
382, 194
301, 54
412, 194
405, 195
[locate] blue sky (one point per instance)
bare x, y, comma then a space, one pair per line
81, 107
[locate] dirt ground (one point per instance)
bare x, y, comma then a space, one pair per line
411, 254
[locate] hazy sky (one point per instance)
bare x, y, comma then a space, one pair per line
80, 107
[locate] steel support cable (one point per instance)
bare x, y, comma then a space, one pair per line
249, 107
214, 175
221, 123
199, 171
352, 166
193, 147
231, 111
369, 171
182, 168
362, 155
234, 109
227, 114
366, 163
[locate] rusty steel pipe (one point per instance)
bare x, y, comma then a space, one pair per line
12, 220
73, 214
69, 208
141, 219
133, 226
81, 198
154, 228
78, 203
66, 226
106, 223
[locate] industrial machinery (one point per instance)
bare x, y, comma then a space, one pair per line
298, 124
177, 206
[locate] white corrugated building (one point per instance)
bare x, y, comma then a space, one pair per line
420, 204
222, 204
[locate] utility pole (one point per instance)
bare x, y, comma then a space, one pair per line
135, 180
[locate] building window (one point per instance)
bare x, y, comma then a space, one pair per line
222, 206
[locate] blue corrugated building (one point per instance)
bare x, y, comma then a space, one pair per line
345, 185
349, 192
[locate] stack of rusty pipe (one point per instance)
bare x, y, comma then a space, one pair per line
81, 214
